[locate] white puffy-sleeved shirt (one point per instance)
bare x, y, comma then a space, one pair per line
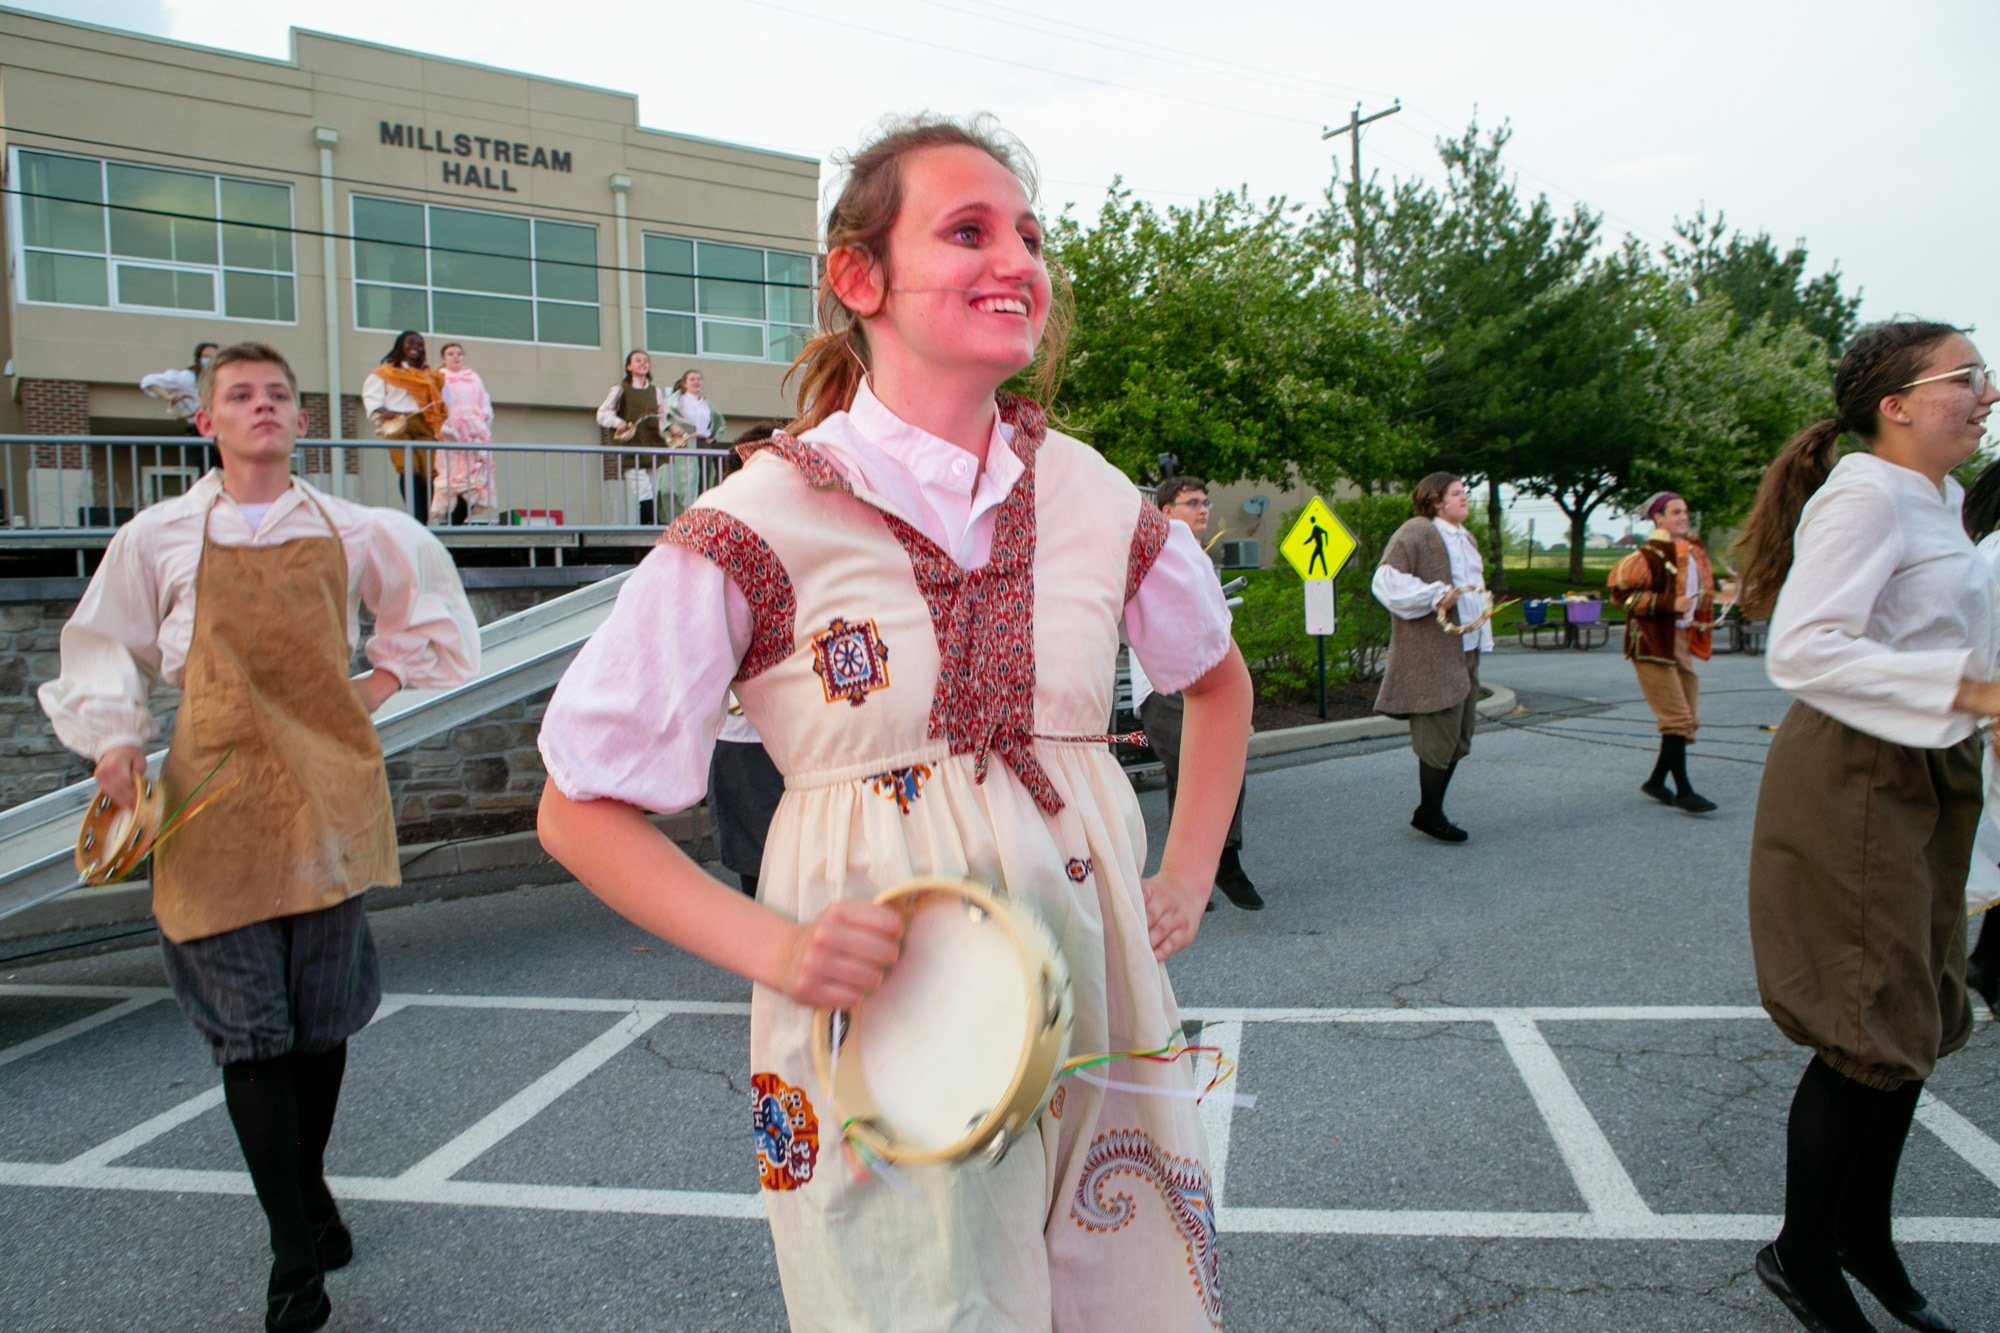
1887, 606
636, 716
1408, 597
135, 621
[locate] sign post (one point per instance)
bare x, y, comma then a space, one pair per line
1318, 547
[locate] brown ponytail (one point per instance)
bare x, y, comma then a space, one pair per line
1878, 363
830, 368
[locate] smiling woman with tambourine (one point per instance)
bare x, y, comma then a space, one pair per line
918, 595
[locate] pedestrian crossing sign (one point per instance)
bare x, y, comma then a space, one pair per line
1319, 544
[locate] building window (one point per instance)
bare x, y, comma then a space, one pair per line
473, 274
127, 237
706, 298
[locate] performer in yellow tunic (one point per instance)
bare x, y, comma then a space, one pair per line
919, 595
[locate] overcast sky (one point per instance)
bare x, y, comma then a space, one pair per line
1866, 129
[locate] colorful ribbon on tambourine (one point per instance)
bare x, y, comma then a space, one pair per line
864, 1161
178, 818
1446, 623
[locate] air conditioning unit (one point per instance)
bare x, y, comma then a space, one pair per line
1241, 553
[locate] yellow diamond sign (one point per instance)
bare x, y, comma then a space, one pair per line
1319, 543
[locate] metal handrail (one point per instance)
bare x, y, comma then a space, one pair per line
63, 497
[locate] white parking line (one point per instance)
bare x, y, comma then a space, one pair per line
1617, 1211
1961, 1136
80, 1026
528, 1103
1601, 1178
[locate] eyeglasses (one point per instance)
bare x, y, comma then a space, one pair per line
1976, 378
1197, 504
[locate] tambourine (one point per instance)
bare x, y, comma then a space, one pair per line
394, 425
112, 841
954, 1056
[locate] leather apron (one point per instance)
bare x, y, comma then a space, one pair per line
302, 821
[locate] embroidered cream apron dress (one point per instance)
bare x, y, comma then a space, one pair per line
916, 710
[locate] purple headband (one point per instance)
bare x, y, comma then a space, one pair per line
1660, 500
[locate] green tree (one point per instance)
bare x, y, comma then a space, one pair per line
1761, 282
1490, 285
1213, 333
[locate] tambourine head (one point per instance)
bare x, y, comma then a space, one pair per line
954, 1056
392, 427
112, 841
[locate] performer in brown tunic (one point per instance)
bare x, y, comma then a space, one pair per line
243, 592
1668, 592
1432, 579
1884, 631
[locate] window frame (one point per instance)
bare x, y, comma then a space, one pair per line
766, 327
430, 288
111, 259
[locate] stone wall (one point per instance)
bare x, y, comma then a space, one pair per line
482, 779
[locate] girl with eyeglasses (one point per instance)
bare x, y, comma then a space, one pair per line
1883, 626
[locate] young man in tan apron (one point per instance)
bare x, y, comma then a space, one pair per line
243, 593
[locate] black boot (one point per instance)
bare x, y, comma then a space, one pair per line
1656, 785
1236, 885
1429, 815
1675, 751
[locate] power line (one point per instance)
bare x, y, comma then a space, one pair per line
1028, 65
1123, 45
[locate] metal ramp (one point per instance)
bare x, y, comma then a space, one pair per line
519, 656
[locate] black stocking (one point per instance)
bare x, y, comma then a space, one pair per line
1830, 1121
1431, 783
1986, 952
1674, 753
1864, 1215
1665, 764
262, 1096
318, 1077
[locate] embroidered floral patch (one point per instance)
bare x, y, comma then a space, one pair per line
902, 785
1078, 869
851, 661
1183, 1187
786, 1130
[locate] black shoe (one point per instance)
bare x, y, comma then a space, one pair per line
1908, 1306
1658, 790
334, 1243
1772, 1274
1236, 885
1423, 821
1984, 982
1694, 803
296, 1306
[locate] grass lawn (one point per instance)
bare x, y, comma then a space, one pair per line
1552, 581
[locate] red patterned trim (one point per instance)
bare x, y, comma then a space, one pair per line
1147, 541
818, 471
753, 567
1183, 1187
984, 620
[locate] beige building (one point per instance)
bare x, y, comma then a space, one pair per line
162, 194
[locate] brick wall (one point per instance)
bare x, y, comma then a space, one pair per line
55, 407
320, 461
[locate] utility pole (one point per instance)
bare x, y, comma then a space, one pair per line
1355, 120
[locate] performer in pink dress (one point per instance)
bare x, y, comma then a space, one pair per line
918, 595
463, 487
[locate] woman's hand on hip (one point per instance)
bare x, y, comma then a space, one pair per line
844, 954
